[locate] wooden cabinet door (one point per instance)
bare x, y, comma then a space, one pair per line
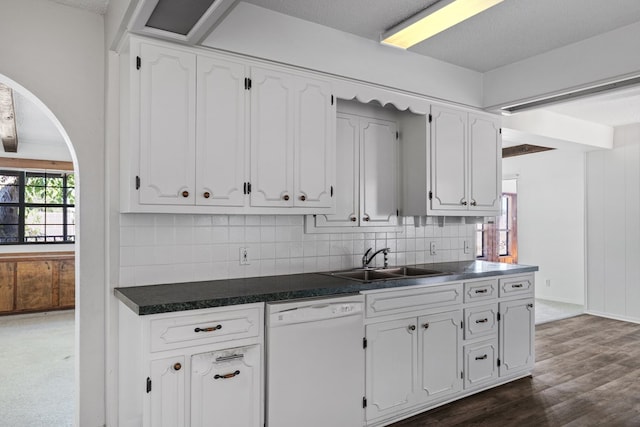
315, 143
347, 175
7, 289
378, 172
272, 138
34, 285
517, 333
485, 153
221, 145
225, 388
167, 125
391, 366
448, 160
440, 354
166, 397
66, 283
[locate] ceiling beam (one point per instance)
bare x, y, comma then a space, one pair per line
520, 150
8, 120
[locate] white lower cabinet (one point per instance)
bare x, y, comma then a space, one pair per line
480, 363
517, 333
192, 368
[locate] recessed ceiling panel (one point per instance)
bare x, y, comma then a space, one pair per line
178, 16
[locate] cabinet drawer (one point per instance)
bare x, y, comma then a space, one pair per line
183, 331
385, 303
481, 291
480, 363
512, 286
480, 321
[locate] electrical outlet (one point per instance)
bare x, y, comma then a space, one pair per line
432, 248
467, 247
548, 283
244, 256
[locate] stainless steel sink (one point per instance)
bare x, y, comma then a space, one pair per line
369, 275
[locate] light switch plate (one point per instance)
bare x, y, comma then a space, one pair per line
432, 248
244, 256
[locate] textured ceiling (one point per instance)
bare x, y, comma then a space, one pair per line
509, 32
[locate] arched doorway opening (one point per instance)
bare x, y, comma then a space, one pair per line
37, 281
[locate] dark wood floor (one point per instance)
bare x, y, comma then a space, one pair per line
587, 374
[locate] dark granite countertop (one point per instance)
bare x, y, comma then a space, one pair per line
165, 298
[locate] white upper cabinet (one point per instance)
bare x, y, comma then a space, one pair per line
272, 133
167, 84
221, 154
221, 135
458, 171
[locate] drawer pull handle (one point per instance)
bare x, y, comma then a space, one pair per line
177, 366
425, 325
481, 357
481, 291
485, 320
209, 329
412, 327
230, 357
226, 376
519, 285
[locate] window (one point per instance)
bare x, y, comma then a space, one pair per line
37, 207
497, 240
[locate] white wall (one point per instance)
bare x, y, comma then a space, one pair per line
613, 227
262, 33
551, 220
57, 53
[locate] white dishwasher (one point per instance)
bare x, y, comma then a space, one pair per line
315, 363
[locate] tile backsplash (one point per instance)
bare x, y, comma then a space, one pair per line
167, 248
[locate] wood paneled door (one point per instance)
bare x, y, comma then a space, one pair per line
34, 282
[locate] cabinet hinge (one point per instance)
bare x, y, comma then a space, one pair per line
247, 83
331, 99
462, 324
364, 402
498, 362
500, 131
397, 135
397, 212
247, 188
430, 117
430, 195
498, 316
461, 375
137, 182
148, 385
138, 62
364, 342
332, 191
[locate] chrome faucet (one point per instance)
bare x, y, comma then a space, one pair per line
365, 261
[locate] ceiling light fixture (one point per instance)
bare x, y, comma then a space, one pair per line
433, 20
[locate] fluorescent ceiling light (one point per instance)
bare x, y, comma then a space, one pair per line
434, 19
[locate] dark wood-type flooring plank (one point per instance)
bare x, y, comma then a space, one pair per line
587, 373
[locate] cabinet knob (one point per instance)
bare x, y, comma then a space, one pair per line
177, 366
530, 305
365, 217
412, 327
353, 218
206, 194
185, 193
425, 325
285, 197
464, 203
303, 198
473, 203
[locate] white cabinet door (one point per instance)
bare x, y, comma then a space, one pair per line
440, 354
517, 333
166, 393
272, 138
347, 174
221, 145
485, 153
378, 172
225, 388
314, 152
391, 366
448, 154
167, 125
480, 363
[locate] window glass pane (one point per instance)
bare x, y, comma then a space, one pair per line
54, 180
34, 233
479, 246
9, 233
71, 180
35, 189
504, 214
9, 215
34, 215
9, 190
54, 216
71, 196
71, 233
503, 243
55, 232
71, 215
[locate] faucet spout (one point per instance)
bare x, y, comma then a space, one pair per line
366, 262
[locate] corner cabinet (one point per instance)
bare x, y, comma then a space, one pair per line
194, 368
459, 172
209, 133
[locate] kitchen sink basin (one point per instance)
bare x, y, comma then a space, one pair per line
370, 275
